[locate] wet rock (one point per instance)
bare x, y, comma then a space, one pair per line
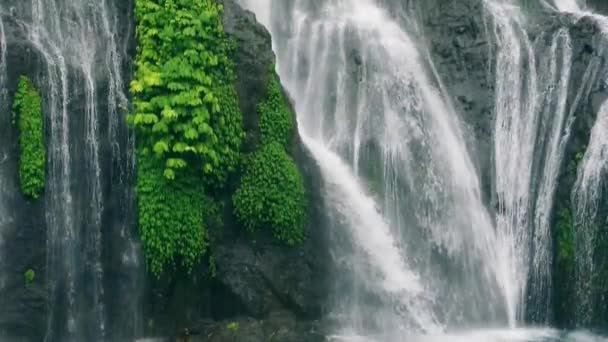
272, 292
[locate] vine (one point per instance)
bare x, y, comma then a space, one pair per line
27, 109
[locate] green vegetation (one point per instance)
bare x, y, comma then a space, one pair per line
185, 103
272, 195
565, 251
170, 215
565, 238
188, 124
276, 118
190, 135
27, 109
29, 276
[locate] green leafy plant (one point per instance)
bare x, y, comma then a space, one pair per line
29, 276
276, 116
185, 103
170, 215
272, 195
27, 110
188, 124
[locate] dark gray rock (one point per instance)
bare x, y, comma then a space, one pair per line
456, 37
254, 62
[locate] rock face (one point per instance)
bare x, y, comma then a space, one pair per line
460, 46
24, 232
260, 290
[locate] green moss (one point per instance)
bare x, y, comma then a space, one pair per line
27, 109
272, 195
276, 116
29, 275
185, 103
170, 215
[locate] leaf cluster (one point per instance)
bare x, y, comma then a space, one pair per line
272, 195
276, 117
183, 88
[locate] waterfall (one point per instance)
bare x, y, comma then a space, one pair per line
586, 196
385, 136
516, 111
532, 129
83, 94
5, 215
588, 189
558, 121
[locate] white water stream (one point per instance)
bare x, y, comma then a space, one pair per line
366, 96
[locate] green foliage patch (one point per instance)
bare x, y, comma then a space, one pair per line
27, 109
188, 124
185, 103
170, 215
272, 195
276, 117
29, 276
190, 133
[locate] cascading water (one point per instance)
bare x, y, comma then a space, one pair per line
586, 196
556, 122
365, 97
533, 125
5, 215
82, 85
385, 137
588, 189
516, 110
